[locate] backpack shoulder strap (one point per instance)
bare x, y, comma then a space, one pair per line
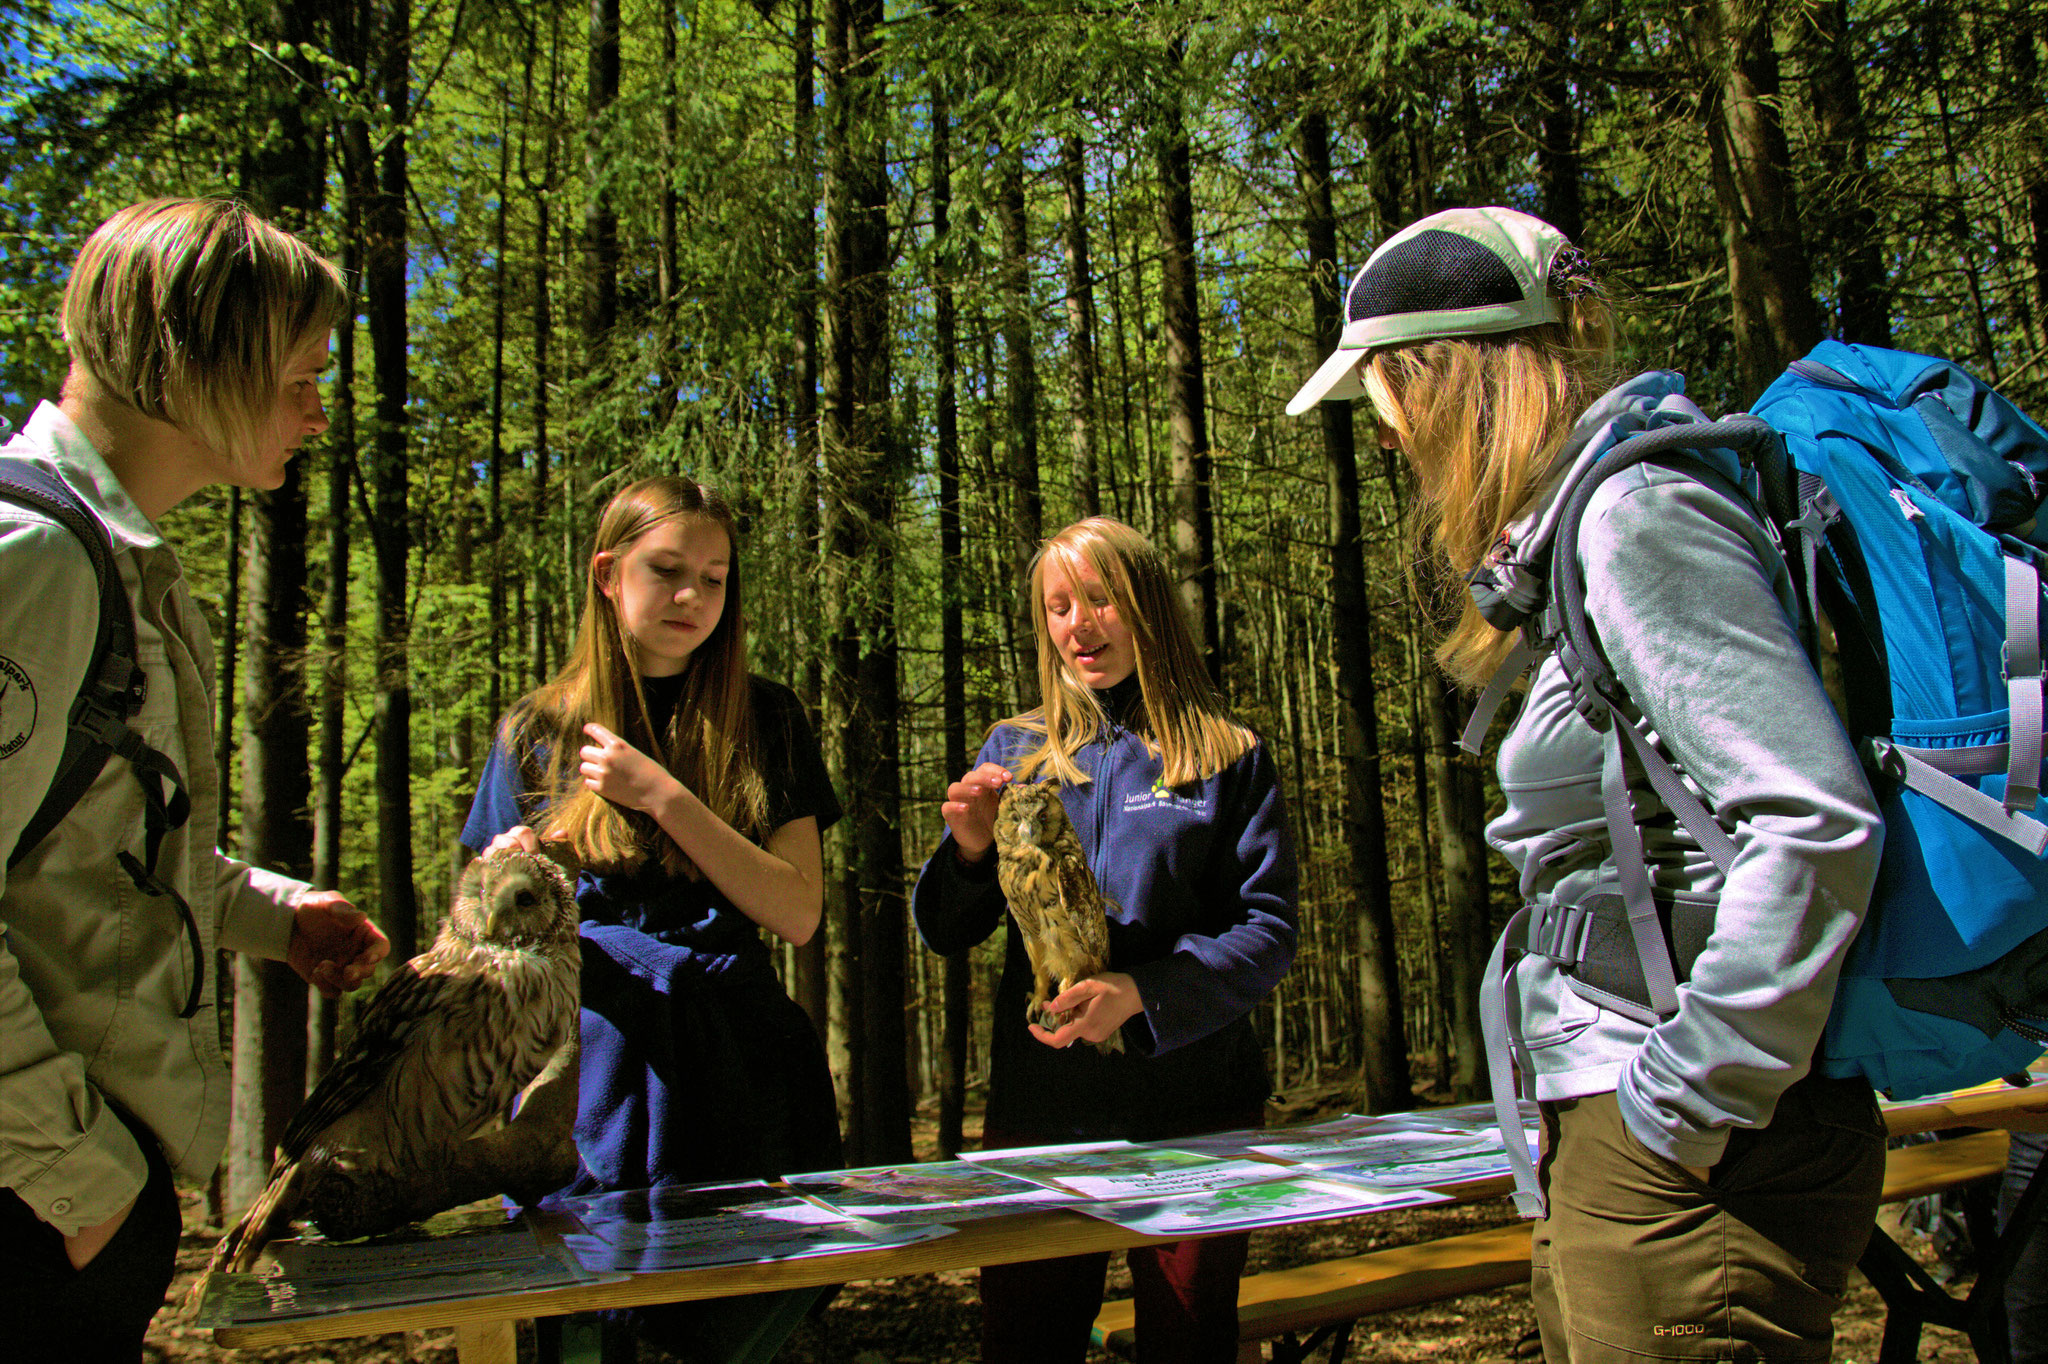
1542, 582
114, 683
97, 726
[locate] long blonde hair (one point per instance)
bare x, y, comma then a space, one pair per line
709, 741
188, 310
1181, 717
1481, 419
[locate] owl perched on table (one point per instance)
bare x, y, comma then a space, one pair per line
409, 1121
1053, 898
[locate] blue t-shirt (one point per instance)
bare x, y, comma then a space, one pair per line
674, 909
695, 1064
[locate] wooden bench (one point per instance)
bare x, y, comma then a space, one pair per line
1301, 1309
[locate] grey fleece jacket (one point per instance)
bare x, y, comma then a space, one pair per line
1691, 603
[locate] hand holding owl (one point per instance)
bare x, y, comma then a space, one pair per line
1095, 1010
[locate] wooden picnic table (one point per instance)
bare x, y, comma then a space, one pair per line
484, 1326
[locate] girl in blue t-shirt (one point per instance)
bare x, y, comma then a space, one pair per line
693, 796
1178, 810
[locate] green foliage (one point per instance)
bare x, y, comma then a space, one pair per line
1429, 105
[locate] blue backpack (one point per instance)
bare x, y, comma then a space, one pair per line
1916, 485
1901, 488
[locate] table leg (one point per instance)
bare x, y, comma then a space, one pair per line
487, 1342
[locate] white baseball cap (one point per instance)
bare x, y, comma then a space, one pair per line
1462, 272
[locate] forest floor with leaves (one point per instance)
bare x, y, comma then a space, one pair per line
935, 1318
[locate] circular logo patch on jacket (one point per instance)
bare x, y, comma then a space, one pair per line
17, 707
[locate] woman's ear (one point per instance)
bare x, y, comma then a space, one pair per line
604, 571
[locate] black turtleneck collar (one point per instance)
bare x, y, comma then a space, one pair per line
662, 695
1123, 701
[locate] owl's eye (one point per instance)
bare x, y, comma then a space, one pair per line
526, 899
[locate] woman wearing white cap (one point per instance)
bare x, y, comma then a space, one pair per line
1704, 1192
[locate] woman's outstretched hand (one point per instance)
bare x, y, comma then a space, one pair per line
623, 775
970, 810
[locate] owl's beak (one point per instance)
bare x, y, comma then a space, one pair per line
1027, 831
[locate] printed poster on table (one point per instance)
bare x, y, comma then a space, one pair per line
946, 1191
684, 1226
1119, 1169
1275, 1203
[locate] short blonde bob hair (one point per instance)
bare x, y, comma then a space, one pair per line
188, 311
1481, 419
1181, 718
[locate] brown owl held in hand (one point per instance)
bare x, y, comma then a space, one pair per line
408, 1121
1053, 898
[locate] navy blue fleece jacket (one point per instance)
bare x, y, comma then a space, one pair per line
1202, 885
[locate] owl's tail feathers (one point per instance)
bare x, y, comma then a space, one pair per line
1111, 1045
268, 1218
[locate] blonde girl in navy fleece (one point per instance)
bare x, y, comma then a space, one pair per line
1177, 805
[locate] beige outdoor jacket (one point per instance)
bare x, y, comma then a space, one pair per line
92, 971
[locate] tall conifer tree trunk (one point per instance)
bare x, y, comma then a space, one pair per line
341, 462
1081, 361
541, 647
494, 526
812, 986
1842, 142
384, 224
1460, 796
1384, 1045
1559, 167
952, 586
860, 483
282, 179
600, 219
541, 644
1027, 507
1194, 534
1770, 282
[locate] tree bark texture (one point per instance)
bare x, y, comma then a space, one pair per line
1082, 367
860, 482
952, 1068
1384, 1045
1770, 282
1460, 796
600, 219
1194, 535
812, 986
1027, 506
385, 226
282, 178
1848, 222
1560, 170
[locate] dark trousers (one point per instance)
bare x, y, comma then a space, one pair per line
2026, 1291
1637, 1260
1185, 1294
51, 1313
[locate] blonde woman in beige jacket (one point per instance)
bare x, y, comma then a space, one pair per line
197, 333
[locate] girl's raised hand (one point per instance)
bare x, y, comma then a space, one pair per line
970, 810
518, 836
622, 774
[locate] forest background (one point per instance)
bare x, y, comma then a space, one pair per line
916, 284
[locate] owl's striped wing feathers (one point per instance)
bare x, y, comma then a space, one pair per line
410, 1000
